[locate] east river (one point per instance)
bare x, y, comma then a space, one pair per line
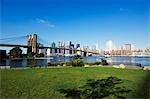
114, 60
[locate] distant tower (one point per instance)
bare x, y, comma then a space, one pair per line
128, 47
32, 41
109, 46
97, 46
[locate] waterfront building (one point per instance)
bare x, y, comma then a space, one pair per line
2, 57
67, 51
93, 47
69, 43
127, 47
97, 46
53, 50
85, 47
109, 46
71, 47
48, 52
41, 50
53, 44
2, 54
61, 44
77, 45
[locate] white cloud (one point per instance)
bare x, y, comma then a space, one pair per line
42, 21
121, 9
50, 25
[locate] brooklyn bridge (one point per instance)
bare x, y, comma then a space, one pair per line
34, 45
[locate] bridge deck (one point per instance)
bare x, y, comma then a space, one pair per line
44, 47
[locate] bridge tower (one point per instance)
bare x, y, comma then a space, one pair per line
32, 41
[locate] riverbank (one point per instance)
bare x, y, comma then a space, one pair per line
85, 66
45, 82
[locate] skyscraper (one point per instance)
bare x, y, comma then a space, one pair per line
97, 46
127, 47
77, 45
53, 51
109, 45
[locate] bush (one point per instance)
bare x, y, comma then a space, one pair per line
40, 55
104, 62
50, 64
60, 63
68, 63
95, 63
77, 62
56, 64
30, 54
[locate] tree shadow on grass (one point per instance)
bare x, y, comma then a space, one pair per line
143, 91
98, 89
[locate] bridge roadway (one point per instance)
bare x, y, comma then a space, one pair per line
26, 46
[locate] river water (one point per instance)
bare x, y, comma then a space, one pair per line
130, 61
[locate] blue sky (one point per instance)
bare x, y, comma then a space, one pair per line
81, 21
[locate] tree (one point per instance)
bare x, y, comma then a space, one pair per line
98, 89
15, 52
30, 54
104, 62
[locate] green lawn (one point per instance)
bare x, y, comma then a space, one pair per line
45, 83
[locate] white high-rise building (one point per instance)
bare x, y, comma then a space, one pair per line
97, 46
109, 45
48, 52
133, 47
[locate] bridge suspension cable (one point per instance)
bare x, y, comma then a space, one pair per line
43, 40
12, 38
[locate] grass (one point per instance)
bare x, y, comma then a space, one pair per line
45, 83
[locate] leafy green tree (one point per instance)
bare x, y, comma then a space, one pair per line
30, 54
15, 52
98, 89
77, 57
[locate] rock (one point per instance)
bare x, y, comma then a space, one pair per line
4, 67
122, 66
86, 65
146, 68
115, 66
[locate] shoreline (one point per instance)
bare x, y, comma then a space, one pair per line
42, 67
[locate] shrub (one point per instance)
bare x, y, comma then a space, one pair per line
68, 63
77, 62
89, 64
50, 64
30, 54
104, 62
60, 63
95, 63
40, 55
56, 64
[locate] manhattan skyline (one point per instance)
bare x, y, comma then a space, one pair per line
81, 21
